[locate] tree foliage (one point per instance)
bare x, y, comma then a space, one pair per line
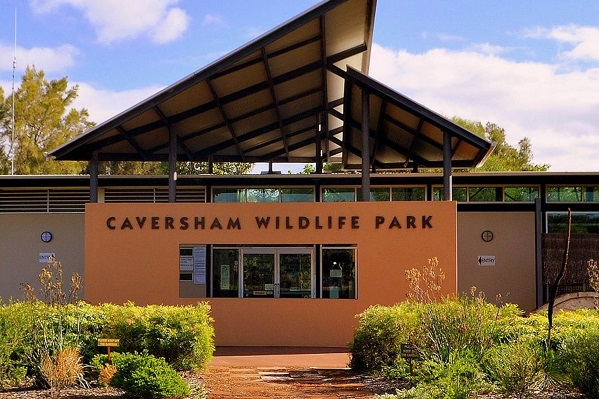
505, 157
182, 168
218, 168
43, 121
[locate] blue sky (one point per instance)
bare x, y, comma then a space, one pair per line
531, 66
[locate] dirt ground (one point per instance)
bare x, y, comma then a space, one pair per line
283, 383
287, 373
282, 373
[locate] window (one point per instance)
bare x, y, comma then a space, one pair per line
520, 194
350, 194
490, 194
376, 194
228, 195
564, 194
263, 194
459, 194
185, 263
557, 222
591, 194
338, 271
484, 194
297, 194
572, 194
274, 271
339, 194
225, 272
408, 194
263, 272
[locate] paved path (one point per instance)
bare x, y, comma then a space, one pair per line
284, 373
291, 357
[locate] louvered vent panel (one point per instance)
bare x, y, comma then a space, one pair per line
68, 201
196, 194
43, 201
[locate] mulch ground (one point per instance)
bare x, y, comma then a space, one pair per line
268, 382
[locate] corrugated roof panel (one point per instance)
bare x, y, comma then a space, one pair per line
248, 105
303, 33
192, 97
432, 132
236, 81
295, 59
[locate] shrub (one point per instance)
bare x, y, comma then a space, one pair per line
147, 376
106, 373
581, 356
515, 367
380, 333
13, 326
62, 370
183, 335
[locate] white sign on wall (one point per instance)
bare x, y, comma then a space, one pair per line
486, 260
199, 264
44, 257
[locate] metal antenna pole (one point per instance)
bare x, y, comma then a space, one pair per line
14, 67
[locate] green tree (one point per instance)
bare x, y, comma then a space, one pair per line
43, 121
505, 157
218, 168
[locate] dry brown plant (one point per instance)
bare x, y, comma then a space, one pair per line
51, 285
425, 285
62, 371
106, 374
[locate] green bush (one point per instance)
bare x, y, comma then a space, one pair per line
516, 367
31, 331
380, 333
436, 329
13, 327
147, 376
581, 356
183, 335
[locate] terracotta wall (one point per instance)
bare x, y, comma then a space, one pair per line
132, 253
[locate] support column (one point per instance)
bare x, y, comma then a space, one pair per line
539, 251
447, 177
172, 165
365, 145
93, 178
319, 129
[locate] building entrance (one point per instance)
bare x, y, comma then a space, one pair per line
278, 273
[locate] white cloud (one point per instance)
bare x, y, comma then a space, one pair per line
171, 28
49, 59
556, 110
213, 20
583, 40
117, 20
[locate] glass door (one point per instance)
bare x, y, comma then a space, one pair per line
259, 273
278, 273
296, 273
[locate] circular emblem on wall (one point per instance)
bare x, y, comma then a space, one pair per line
46, 236
487, 236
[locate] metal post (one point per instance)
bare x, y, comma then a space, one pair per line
447, 177
365, 145
319, 128
93, 178
172, 165
539, 251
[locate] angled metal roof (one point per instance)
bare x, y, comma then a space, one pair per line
403, 133
265, 101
